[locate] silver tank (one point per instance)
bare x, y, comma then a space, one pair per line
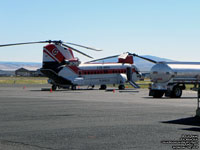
184, 72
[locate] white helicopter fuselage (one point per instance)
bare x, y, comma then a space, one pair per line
98, 74
63, 69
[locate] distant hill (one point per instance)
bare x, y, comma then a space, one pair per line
16, 65
143, 65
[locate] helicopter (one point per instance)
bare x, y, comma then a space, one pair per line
66, 71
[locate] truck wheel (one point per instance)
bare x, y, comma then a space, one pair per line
121, 87
177, 92
53, 87
73, 87
103, 87
158, 94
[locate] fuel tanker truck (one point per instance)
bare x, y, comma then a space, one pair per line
170, 78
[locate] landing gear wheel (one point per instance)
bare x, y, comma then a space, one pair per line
73, 87
53, 87
103, 87
158, 94
177, 92
121, 87
90, 87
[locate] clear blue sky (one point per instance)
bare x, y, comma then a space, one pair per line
163, 28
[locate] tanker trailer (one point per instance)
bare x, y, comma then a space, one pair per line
170, 78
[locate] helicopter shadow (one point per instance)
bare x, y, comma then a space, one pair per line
128, 91
122, 91
67, 91
190, 121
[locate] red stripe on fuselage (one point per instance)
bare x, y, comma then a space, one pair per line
77, 70
102, 71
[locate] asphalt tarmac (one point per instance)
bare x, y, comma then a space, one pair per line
31, 119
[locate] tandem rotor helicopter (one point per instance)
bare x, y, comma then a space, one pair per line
65, 71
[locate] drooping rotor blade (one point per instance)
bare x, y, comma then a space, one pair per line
103, 58
150, 60
23, 43
91, 48
76, 50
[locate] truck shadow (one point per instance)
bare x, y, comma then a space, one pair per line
171, 98
191, 121
188, 98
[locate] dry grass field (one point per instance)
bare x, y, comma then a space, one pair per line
43, 80
23, 80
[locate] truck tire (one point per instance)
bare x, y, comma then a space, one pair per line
158, 94
121, 87
177, 92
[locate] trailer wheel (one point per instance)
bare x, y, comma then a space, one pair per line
53, 87
121, 87
103, 87
158, 94
177, 92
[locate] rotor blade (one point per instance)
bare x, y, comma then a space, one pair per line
23, 43
103, 58
95, 49
76, 50
150, 60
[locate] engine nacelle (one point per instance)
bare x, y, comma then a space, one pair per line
128, 59
72, 62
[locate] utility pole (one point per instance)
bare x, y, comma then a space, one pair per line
198, 97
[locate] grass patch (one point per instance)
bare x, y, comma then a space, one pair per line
43, 80
189, 86
143, 84
23, 80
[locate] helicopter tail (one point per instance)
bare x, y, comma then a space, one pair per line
55, 55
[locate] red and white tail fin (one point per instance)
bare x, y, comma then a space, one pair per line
56, 53
125, 58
